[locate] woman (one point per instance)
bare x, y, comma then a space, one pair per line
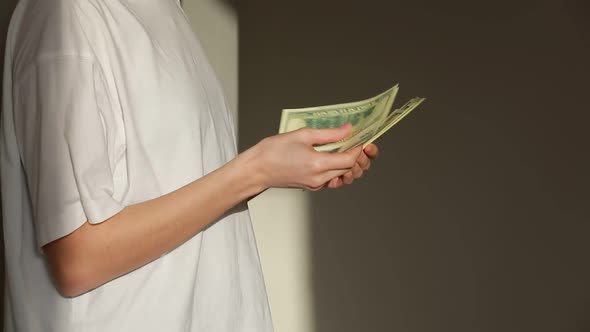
121, 183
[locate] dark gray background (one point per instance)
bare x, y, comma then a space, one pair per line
6, 8
475, 217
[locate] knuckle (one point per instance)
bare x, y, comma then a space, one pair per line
365, 159
358, 172
306, 133
318, 164
315, 165
351, 161
315, 182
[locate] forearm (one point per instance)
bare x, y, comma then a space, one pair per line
96, 254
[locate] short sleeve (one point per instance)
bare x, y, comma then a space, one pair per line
63, 142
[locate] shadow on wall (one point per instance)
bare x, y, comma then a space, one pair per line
6, 8
475, 218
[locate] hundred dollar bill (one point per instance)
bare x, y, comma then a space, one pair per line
360, 114
368, 135
370, 119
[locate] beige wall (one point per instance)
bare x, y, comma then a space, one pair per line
279, 216
216, 24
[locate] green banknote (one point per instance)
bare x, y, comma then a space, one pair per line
370, 119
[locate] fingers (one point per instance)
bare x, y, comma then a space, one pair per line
372, 151
335, 183
339, 169
348, 178
357, 172
326, 178
325, 136
363, 161
343, 160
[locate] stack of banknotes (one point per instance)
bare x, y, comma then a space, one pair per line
370, 119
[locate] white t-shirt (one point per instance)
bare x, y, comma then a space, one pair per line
108, 103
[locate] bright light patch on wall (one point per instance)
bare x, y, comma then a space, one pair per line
280, 218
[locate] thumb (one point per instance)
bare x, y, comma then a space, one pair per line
329, 135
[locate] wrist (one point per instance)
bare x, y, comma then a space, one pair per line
249, 172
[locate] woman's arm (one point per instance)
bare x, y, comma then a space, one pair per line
95, 254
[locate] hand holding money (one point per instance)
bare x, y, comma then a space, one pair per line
370, 119
363, 163
289, 160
